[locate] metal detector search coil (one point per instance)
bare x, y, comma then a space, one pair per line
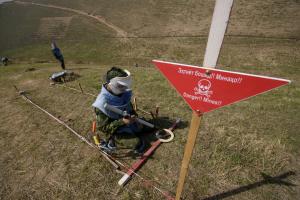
161, 137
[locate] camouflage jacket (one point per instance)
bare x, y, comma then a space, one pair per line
108, 125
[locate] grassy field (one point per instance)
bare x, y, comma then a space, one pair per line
238, 146
42, 160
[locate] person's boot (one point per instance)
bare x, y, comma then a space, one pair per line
108, 147
111, 145
140, 147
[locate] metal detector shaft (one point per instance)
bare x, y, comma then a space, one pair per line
125, 114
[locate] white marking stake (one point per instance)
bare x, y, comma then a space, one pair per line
218, 27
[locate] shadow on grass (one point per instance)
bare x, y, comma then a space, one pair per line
266, 180
166, 122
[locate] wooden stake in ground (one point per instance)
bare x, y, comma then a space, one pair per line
215, 39
80, 87
193, 132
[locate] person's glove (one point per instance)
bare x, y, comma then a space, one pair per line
129, 119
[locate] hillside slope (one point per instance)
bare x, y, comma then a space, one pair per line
249, 150
155, 29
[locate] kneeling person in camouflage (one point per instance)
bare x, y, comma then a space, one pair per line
117, 92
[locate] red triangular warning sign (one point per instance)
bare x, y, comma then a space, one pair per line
206, 89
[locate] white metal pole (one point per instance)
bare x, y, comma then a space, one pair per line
217, 31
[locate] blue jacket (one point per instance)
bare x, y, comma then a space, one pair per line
121, 102
57, 53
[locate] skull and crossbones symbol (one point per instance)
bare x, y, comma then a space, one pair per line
203, 88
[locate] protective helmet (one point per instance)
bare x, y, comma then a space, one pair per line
119, 79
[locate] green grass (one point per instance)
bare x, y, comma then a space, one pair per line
42, 160
235, 143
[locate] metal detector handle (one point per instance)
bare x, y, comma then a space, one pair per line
124, 114
115, 110
144, 123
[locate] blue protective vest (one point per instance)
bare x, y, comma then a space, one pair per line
121, 102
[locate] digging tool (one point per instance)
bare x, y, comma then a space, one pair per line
80, 87
138, 164
125, 114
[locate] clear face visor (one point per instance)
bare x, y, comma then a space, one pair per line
121, 87
122, 82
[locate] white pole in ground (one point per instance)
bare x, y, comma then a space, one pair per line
216, 34
217, 31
